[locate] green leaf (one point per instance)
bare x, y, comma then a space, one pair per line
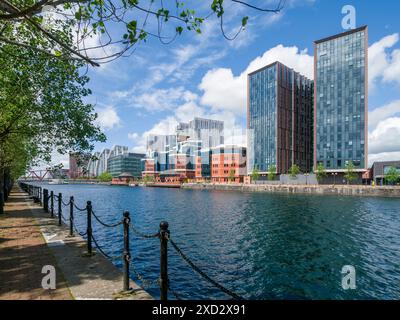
244, 21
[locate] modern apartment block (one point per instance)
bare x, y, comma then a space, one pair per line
209, 132
175, 155
98, 162
341, 100
78, 164
279, 119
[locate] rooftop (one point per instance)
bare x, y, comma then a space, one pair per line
339, 35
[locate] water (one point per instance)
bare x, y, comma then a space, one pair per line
260, 245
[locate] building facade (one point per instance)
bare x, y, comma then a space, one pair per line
78, 164
381, 168
174, 156
126, 163
228, 164
341, 100
279, 119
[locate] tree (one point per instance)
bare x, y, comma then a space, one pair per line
231, 177
294, 171
350, 174
41, 105
320, 172
255, 174
271, 172
392, 175
134, 20
105, 177
148, 178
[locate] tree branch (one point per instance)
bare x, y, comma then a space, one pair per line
52, 37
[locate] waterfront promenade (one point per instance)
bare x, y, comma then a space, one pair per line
29, 240
343, 190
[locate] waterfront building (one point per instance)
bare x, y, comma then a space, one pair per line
125, 178
93, 165
78, 164
103, 161
118, 150
279, 119
228, 164
380, 169
341, 101
203, 165
173, 157
126, 162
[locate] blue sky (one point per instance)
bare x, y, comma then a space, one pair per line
204, 75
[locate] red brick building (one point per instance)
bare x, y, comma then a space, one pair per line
228, 164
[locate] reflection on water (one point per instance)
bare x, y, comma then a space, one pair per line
263, 246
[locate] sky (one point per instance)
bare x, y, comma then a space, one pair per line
205, 75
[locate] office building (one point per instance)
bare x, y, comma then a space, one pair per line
228, 164
279, 119
125, 163
341, 100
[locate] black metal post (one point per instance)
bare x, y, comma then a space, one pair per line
1, 202
59, 208
40, 195
46, 200
126, 254
71, 216
89, 227
52, 203
164, 233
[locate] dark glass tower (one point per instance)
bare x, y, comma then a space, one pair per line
341, 100
279, 119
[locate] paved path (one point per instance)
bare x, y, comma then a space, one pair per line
23, 253
30, 239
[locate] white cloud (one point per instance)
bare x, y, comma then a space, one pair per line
133, 136
381, 113
384, 65
384, 156
108, 118
384, 133
162, 99
385, 137
222, 90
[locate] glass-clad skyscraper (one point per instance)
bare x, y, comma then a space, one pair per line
341, 100
279, 119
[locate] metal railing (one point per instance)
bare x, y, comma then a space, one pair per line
42, 196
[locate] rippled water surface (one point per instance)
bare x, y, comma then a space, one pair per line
260, 245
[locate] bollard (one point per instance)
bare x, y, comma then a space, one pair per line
71, 216
126, 253
46, 200
164, 233
1, 203
89, 227
59, 208
52, 203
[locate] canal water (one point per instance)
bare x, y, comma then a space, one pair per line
259, 245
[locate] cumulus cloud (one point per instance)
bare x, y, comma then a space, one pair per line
222, 90
384, 132
381, 113
186, 111
384, 65
162, 99
108, 118
385, 137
